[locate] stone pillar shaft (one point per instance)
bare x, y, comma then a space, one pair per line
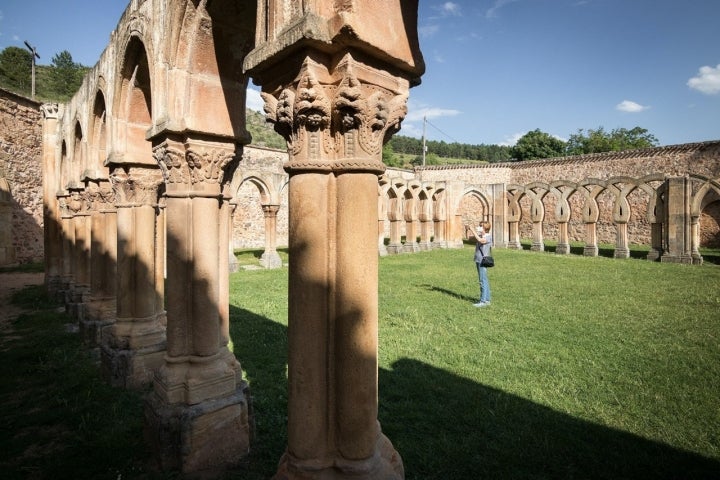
200, 381
270, 257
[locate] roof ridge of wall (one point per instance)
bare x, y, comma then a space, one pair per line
589, 157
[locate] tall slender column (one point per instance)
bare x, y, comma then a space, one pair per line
537, 216
621, 217
270, 257
426, 224
677, 213
591, 246
80, 256
200, 381
51, 211
100, 307
67, 235
335, 128
133, 347
395, 217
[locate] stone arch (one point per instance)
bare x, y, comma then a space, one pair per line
133, 107
207, 49
98, 131
471, 199
705, 212
77, 161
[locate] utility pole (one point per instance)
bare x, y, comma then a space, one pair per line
34, 54
424, 147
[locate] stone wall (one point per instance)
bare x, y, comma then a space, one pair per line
21, 166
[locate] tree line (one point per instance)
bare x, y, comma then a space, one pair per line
535, 144
55, 82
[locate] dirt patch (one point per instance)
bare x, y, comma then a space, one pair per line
10, 283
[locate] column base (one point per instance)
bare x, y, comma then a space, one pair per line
562, 248
131, 369
98, 314
395, 248
209, 437
686, 259
591, 251
411, 247
514, 246
424, 246
537, 247
76, 298
270, 260
654, 255
621, 253
386, 464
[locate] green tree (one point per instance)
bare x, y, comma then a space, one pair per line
537, 144
597, 141
66, 75
16, 69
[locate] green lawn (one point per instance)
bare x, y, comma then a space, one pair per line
581, 368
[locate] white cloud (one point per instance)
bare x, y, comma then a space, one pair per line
253, 100
630, 106
492, 11
707, 80
511, 140
417, 114
451, 8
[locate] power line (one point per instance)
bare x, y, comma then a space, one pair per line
436, 128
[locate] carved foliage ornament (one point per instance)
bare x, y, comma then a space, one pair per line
329, 120
139, 187
196, 165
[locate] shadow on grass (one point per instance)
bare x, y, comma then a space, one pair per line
433, 288
448, 427
445, 426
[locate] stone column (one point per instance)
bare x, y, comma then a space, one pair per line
67, 235
621, 217
537, 216
411, 225
52, 222
335, 117
100, 307
440, 222
270, 257
426, 225
697, 259
133, 347
197, 416
562, 215
396, 218
677, 213
80, 256
513, 219
591, 246
233, 265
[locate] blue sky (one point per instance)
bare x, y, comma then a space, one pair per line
497, 69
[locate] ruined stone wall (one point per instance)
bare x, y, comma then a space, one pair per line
21, 166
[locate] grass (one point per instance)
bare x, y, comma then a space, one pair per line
581, 368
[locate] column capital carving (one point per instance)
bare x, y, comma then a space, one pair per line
135, 186
100, 196
337, 117
49, 111
196, 165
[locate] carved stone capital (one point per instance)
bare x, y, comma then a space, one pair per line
100, 196
196, 165
134, 186
337, 118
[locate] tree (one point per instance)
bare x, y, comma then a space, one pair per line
389, 158
66, 75
537, 144
597, 141
16, 69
